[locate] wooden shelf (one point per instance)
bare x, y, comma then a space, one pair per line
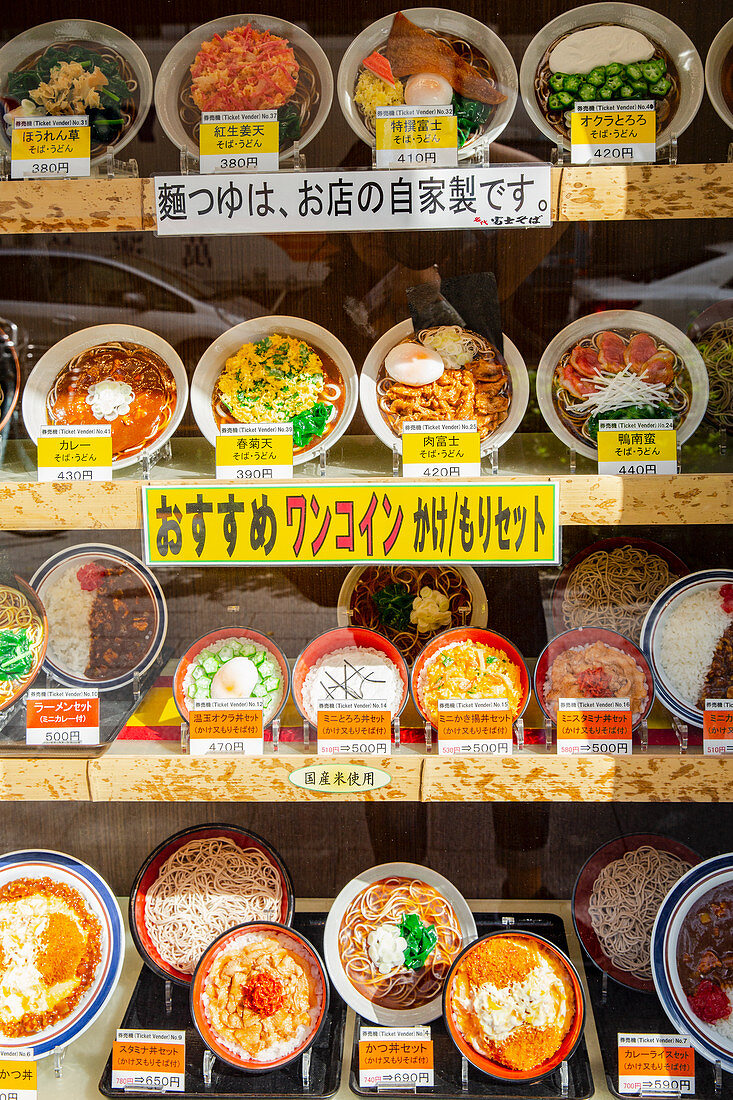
580, 193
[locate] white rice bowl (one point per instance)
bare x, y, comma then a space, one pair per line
225, 643
279, 1050
391, 692
68, 607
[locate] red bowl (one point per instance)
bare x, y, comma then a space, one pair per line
214, 636
469, 634
561, 582
488, 1065
148, 873
341, 638
583, 889
586, 635
198, 1012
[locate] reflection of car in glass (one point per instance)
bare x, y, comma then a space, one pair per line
677, 297
54, 294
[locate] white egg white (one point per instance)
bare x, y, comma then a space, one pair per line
428, 90
236, 679
413, 364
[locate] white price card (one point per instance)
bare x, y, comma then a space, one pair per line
354, 727
18, 1075
717, 729
400, 1057
613, 132
226, 725
254, 452
50, 147
479, 727
637, 447
656, 1064
418, 136
75, 452
62, 716
440, 449
239, 141
149, 1061
589, 726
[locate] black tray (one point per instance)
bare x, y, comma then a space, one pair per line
147, 1010
115, 709
447, 1058
627, 1010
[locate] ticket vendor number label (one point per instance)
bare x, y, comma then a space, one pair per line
62, 717
68, 452
451, 448
640, 447
254, 452
153, 1061
226, 725
358, 728
239, 141
717, 730
50, 147
655, 1064
398, 1056
587, 726
481, 727
416, 135
613, 133
18, 1075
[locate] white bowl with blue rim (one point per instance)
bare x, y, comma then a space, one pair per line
74, 557
101, 903
706, 1039
652, 633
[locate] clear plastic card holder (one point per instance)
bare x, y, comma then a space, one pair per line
306, 734
5, 166
681, 733
667, 154
549, 735
572, 459
493, 461
145, 464
209, 1059
168, 995
519, 733
396, 461
559, 155
110, 167
643, 735
58, 1062
723, 435
428, 737
396, 732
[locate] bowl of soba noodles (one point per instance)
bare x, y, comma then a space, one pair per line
443, 373
245, 63
23, 638
391, 937
277, 370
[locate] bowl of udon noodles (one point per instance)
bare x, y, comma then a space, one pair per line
245, 63
476, 383
719, 73
477, 73
593, 663
410, 604
277, 370
123, 376
201, 882
259, 997
619, 365
391, 936
469, 663
611, 52
23, 638
77, 67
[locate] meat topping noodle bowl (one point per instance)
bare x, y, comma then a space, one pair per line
122, 384
281, 379
22, 636
396, 943
444, 373
469, 670
596, 671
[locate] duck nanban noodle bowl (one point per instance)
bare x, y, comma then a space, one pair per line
74, 78
618, 374
247, 69
611, 72
397, 940
471, 380
22, 643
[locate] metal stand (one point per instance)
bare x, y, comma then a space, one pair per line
428, 737
519, 732
644, 736
680, 732
58, 1062
549, 735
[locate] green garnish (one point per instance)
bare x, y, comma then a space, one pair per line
16, 656
310, 424
393, 604
421, 940
471, 116
289, 119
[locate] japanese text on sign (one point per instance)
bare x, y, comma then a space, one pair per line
637, 447
75, 452
339, 779
439, 198
239, 141
601, 133
397, 1056
18, 1075
594, 726
717, 730
149, 1060
480, 727
47, 147
501, 524
62, 717
254, 452
655, 1064
358, 728
226, 725
448, 449
407, 135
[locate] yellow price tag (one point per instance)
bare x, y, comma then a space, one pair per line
50, 147
448, 449
69, 452
231, 726
239, 141
480, 727
18, 1075
607, 132
637, 447
252, 452
350, 522
416, 135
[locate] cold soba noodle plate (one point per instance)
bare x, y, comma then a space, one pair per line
391, 936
